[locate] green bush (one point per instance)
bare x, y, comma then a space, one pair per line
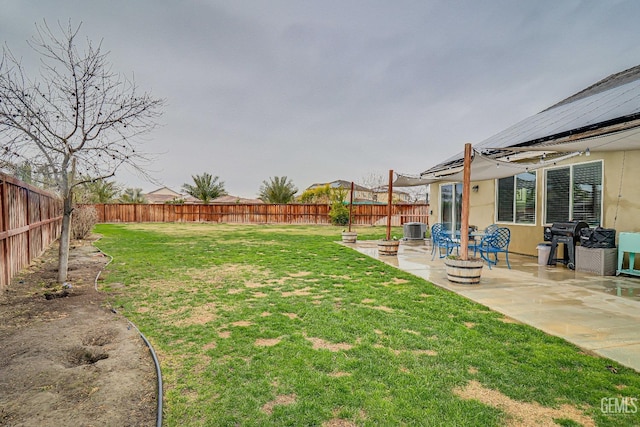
339, 214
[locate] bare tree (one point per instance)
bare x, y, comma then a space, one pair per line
374, 182
76, 118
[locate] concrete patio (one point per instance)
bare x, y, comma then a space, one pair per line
600, 314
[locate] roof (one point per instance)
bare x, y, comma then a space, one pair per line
227, 199
607, 107
165, 195
165, 191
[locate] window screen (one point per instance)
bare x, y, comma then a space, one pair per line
587, 192
558, 185
574, 193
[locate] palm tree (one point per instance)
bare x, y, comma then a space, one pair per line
206, 187
133, 195
99, 191
277, 190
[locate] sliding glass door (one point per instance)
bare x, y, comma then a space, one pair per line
451, 206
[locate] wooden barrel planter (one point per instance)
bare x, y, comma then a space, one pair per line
463, 272
349, 236
388, 247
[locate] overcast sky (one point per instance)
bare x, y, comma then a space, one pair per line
325, 90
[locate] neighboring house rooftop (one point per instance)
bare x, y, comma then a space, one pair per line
235, 199
610, 106
165, 195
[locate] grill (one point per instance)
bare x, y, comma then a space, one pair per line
567, 233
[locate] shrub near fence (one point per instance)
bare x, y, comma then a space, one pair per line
258, 213
31, 220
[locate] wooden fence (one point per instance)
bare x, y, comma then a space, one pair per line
257, 213
31, 220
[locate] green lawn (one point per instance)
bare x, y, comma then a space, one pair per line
275, 325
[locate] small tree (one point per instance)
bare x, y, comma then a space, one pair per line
278, 190
133, 195
319, 194
339, 214
76, 118
205, 188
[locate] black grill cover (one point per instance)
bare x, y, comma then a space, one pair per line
598, 237
569, 228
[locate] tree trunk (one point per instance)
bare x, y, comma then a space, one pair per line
65, 237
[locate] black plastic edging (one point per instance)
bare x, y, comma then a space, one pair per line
156, 362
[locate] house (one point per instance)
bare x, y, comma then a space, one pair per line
576, 160
227, 200
167, 195
381, 194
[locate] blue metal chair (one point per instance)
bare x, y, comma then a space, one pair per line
435, 229
475, 244
441, 239
494, 243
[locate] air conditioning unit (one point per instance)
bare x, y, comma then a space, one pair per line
414, 230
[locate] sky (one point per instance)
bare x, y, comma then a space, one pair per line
337, 89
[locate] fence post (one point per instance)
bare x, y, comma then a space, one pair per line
6, 260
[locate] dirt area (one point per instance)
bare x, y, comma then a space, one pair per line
66, 359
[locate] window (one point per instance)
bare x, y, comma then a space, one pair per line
517, 199
574, 193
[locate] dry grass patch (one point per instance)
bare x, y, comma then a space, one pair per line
338, 422
200, 315
297, 293
254, 285
415, 352
290, 315
522, 414
224, 334
267, 342
242, 323
300, 274
286, 399
320, 344
339, 374
222, 274
509, 320
383, 308
424, 352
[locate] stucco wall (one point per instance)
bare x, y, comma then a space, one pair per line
621, 200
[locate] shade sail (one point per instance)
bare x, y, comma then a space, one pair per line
410, 181
482, 168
